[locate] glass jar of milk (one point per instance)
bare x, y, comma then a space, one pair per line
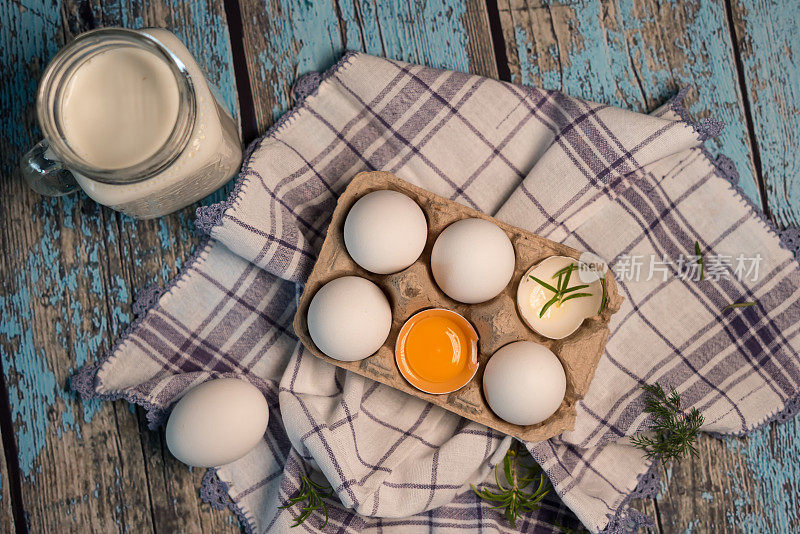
128, 116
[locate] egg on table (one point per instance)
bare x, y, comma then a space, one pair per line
524, 383
554, 297
217, 422
385, 232
472, 260
349, 318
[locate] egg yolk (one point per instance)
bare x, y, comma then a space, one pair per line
437, 351
437, 348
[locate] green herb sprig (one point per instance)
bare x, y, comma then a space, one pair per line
675, 431
313, 495
562, 292
699, 254
512, 498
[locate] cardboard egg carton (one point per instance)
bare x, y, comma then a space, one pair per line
497, 321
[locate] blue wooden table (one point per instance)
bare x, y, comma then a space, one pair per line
69, 268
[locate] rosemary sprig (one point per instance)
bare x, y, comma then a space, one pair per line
512, 498
699, 254
675, 430
561, 292
313, 495
566, 270
604, 301
738, 305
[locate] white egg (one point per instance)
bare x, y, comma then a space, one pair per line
562, 318
217, 422
472, 260
524, 383
385, 232
349, 318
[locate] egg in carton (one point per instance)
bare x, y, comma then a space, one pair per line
497, 321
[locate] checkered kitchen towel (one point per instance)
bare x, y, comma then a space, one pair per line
617, 183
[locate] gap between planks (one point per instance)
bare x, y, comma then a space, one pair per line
244, 92
498, 40
748, 112
11, 460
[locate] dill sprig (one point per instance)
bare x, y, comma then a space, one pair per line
738, 305
699, 254
675, 431
561, 292
512, 497
313, 495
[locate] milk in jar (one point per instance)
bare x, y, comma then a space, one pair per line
131, 116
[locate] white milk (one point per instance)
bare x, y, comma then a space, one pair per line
119, 107
118, 110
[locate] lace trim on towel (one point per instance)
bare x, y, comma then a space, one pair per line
214, 491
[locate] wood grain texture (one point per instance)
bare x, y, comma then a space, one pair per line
69, 273
634, 54
767, 34
735, 485
6, 511
288, 38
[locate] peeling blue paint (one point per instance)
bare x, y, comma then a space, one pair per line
691, 526
306, 39
211, 47
596, 64
45, 282
773, 478
34, 387
430, 33
530, 73
771, 61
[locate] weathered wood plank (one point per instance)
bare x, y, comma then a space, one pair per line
735, 485
765, 492
6, 510
696, 493
768, 38
68, 274
636, 54
287, 38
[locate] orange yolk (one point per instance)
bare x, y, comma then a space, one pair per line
437, 348
437, 351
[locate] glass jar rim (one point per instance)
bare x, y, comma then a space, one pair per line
72, 55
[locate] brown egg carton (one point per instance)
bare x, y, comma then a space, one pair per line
497, 321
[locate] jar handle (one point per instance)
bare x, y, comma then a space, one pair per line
45, 173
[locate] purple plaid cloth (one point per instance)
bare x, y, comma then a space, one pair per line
620, 184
